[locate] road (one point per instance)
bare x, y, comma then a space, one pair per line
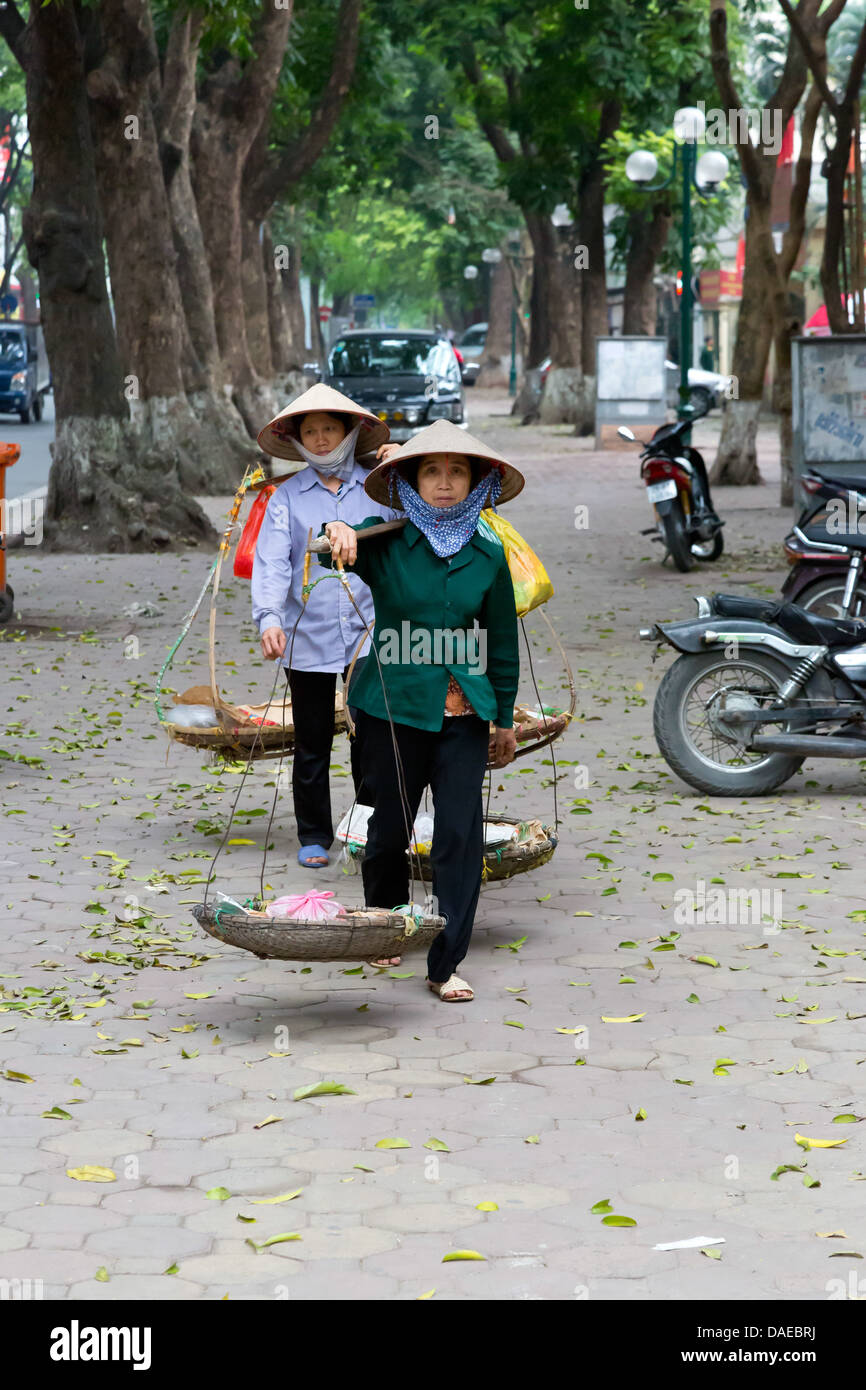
30, 473
620, 1067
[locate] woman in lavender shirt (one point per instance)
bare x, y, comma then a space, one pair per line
328, 432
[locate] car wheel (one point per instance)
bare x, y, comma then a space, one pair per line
25, 415
37, 408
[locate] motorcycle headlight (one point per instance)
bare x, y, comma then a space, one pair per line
19, 379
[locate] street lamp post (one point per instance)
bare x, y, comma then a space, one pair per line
702, 174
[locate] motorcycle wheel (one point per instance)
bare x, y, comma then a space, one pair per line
694, 740
709, 550
7, 603
824, 599
677, 542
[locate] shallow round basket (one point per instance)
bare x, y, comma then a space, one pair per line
253, 743
518, 857
535, 847
536, 731
360, 934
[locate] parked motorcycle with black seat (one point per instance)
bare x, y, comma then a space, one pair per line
678, 490
757, 688
826, 548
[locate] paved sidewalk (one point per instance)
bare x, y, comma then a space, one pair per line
155, 1052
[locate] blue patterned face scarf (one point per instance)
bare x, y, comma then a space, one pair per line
448, 528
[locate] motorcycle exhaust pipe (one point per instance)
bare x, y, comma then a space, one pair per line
810, 745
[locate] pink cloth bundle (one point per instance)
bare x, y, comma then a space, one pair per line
314, 906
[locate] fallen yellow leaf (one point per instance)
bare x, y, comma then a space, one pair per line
272, 1201
632, 1018
807, 1143
91, 1172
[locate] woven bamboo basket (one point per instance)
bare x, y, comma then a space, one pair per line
534, 846
361, 934
256, 731
262, 731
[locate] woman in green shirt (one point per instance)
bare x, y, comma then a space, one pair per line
445, 666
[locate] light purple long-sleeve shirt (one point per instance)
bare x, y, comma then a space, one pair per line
329, 630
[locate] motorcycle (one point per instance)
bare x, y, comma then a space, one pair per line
825, 551
678, 490
757, 688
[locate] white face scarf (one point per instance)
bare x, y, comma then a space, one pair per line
339, 462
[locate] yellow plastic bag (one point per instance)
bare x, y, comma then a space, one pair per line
531, 581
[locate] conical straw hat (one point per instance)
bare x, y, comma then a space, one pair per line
275, 438
441, 438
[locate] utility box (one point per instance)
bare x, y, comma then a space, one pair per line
828, 382
631, 385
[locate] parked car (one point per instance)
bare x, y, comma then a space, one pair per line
409, 378
706, 389
473, 341
24, 372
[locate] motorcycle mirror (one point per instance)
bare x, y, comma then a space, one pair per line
625, 433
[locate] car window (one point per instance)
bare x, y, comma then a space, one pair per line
385, 355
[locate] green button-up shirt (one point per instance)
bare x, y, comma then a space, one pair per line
434, 618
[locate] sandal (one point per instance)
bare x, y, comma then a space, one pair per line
313, 857
386, 962
453, 991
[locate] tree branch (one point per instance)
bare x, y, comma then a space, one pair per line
810, 55
177, 97
855, 77
720, 61
254, 90
12, 26
302, 154
793, 238
494, 133
830, 15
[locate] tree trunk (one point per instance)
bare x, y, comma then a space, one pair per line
555, 278
233, 106
255, 292
316, 337
496, 358
151, 329
298, 352
29, 307
647, 237
107, 490
224, 437
737, 459
278, 320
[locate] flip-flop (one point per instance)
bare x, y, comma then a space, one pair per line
307, 853
448, 990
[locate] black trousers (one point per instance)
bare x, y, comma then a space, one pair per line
313, 716
452, 763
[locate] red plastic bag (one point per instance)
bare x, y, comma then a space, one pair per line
246, 550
